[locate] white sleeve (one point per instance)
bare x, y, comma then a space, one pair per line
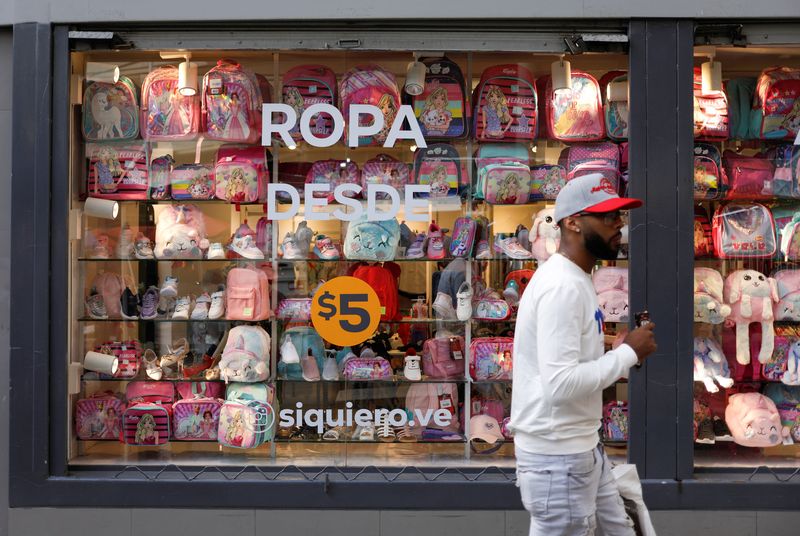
558, 336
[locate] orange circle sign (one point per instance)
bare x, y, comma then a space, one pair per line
345, 311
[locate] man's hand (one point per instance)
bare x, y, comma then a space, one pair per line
643, 341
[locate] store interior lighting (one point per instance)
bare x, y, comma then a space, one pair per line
102, 72
561, 75
101, 208
415, 77
187, 72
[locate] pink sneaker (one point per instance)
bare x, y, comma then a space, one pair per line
435, 242
511, 248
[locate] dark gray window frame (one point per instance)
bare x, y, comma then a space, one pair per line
661, 398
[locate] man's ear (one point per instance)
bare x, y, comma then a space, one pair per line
570, 223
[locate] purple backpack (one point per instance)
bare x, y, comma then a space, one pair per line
334, 173
384, 169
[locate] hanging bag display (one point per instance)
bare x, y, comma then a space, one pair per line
307, 85
505, 104
370, 84
441, 109
232, 102
491, 358
710, 112
166, 113
111, 111
117, 170
440, 166
575, 115
708, 172
776, 104
747, 177
743, 230
615, 106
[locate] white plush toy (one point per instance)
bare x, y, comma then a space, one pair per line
792, 374
710, 365
545, 234
751, 296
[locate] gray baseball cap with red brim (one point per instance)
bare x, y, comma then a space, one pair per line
593, 193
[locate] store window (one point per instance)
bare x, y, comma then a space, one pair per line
211, 318
746, 349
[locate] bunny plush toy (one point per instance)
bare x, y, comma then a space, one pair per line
545, 235
751, 296
710, 365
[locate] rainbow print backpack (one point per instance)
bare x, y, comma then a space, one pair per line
440, 166
370, 84
111, 111
441, 109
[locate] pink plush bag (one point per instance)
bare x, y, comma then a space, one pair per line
754, 421
443, 357
611, 285
788, 306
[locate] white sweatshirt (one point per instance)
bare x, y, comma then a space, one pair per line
560, 369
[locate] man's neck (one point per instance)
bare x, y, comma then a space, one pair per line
579, 256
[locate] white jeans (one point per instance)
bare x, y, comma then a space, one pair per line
571, 495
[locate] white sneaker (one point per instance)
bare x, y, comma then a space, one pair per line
216, 251
217, 309
289, 352
291, 248
170, 287
443, 307
411, 369
464, 305
125, 248
182, 308
200, 311
246, 247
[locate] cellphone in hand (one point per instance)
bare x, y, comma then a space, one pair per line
641, 319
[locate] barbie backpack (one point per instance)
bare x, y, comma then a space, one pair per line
334, 173
491, 358
443, 357
616, 110
754, 421
440, 166
441, 109
575, 115
788, 306
747, 177
196, 419
586, 158
247, 294
744, 230
117, 170
504, 174
776, 104
192, 181
505, 104
246, 355
98, 417
160, 173
304, 86
166, 114
708, 174
180, 233
247, 418
611, 285
232, 103
370, 84
384, 169
241, 174
615, 421
710, 112
708, 300
546, 181
371, 240
111, 111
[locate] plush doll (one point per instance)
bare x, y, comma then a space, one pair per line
754, 420
792, 374
180, 233
546, 235
710, 364
751, 296
708, 306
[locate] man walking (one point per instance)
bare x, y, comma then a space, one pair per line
561, 369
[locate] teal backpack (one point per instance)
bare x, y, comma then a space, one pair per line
740, 108
303, 338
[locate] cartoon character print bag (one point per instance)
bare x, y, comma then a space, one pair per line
370, 84
707, 172
611, 285
160, 173
546, 181
491, 358
127, 354
776, 104
166, 113
307, 85
98, 417
241, 174
111, 111
441, 109
117, 170
384, 169
754, 421
506, 106
192, 181
333, 173
440, 166
744, 230
372, 240
575, 115
232, 103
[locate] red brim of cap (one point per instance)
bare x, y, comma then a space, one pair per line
617, 203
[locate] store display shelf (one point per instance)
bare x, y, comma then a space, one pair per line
490, 381
388, 381
402, 321
91, 378
167, 321
96, 259
356, 441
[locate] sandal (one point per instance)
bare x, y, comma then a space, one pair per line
150, 360
365, 433
384, 429
404, 434
174, 357
332, 434
195, 368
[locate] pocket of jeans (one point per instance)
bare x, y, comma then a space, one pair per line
534, 487
582, 487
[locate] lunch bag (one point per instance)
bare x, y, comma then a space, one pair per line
117, 171
241, 174
192, 181
491, 358
99, 416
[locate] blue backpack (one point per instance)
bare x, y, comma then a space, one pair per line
303, 338
371, 240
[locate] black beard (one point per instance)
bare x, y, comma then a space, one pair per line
597, 247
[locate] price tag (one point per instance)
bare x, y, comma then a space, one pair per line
345, 311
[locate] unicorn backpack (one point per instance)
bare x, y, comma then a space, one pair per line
441, 109
440, 166
505, 104
370, 84
180, 233
111, 111
776, 104
246, 355
166, 113
232, 101
708, 305
788, 306
615, 105
371, 240
304, 86
575, 115
611, 285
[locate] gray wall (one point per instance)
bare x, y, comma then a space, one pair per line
5, 247
14, 11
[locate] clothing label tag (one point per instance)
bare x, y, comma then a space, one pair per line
476, 407
215, 85
455, 349
248, 311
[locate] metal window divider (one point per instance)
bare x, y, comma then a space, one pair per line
468, 276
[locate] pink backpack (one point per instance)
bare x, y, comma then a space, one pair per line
754, 421
424, 397
611, 285
232, 103
117, 170
247, 294
385, 169
370, 84
166, 114
180, 233
744, 230
575, 115
788, 306
601, 157
443, 357
246, 355
304, 86
98, 417
241, 174
505, 104
748, 177
332, 172
710, 112
491, 358
127, 354
776, 104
